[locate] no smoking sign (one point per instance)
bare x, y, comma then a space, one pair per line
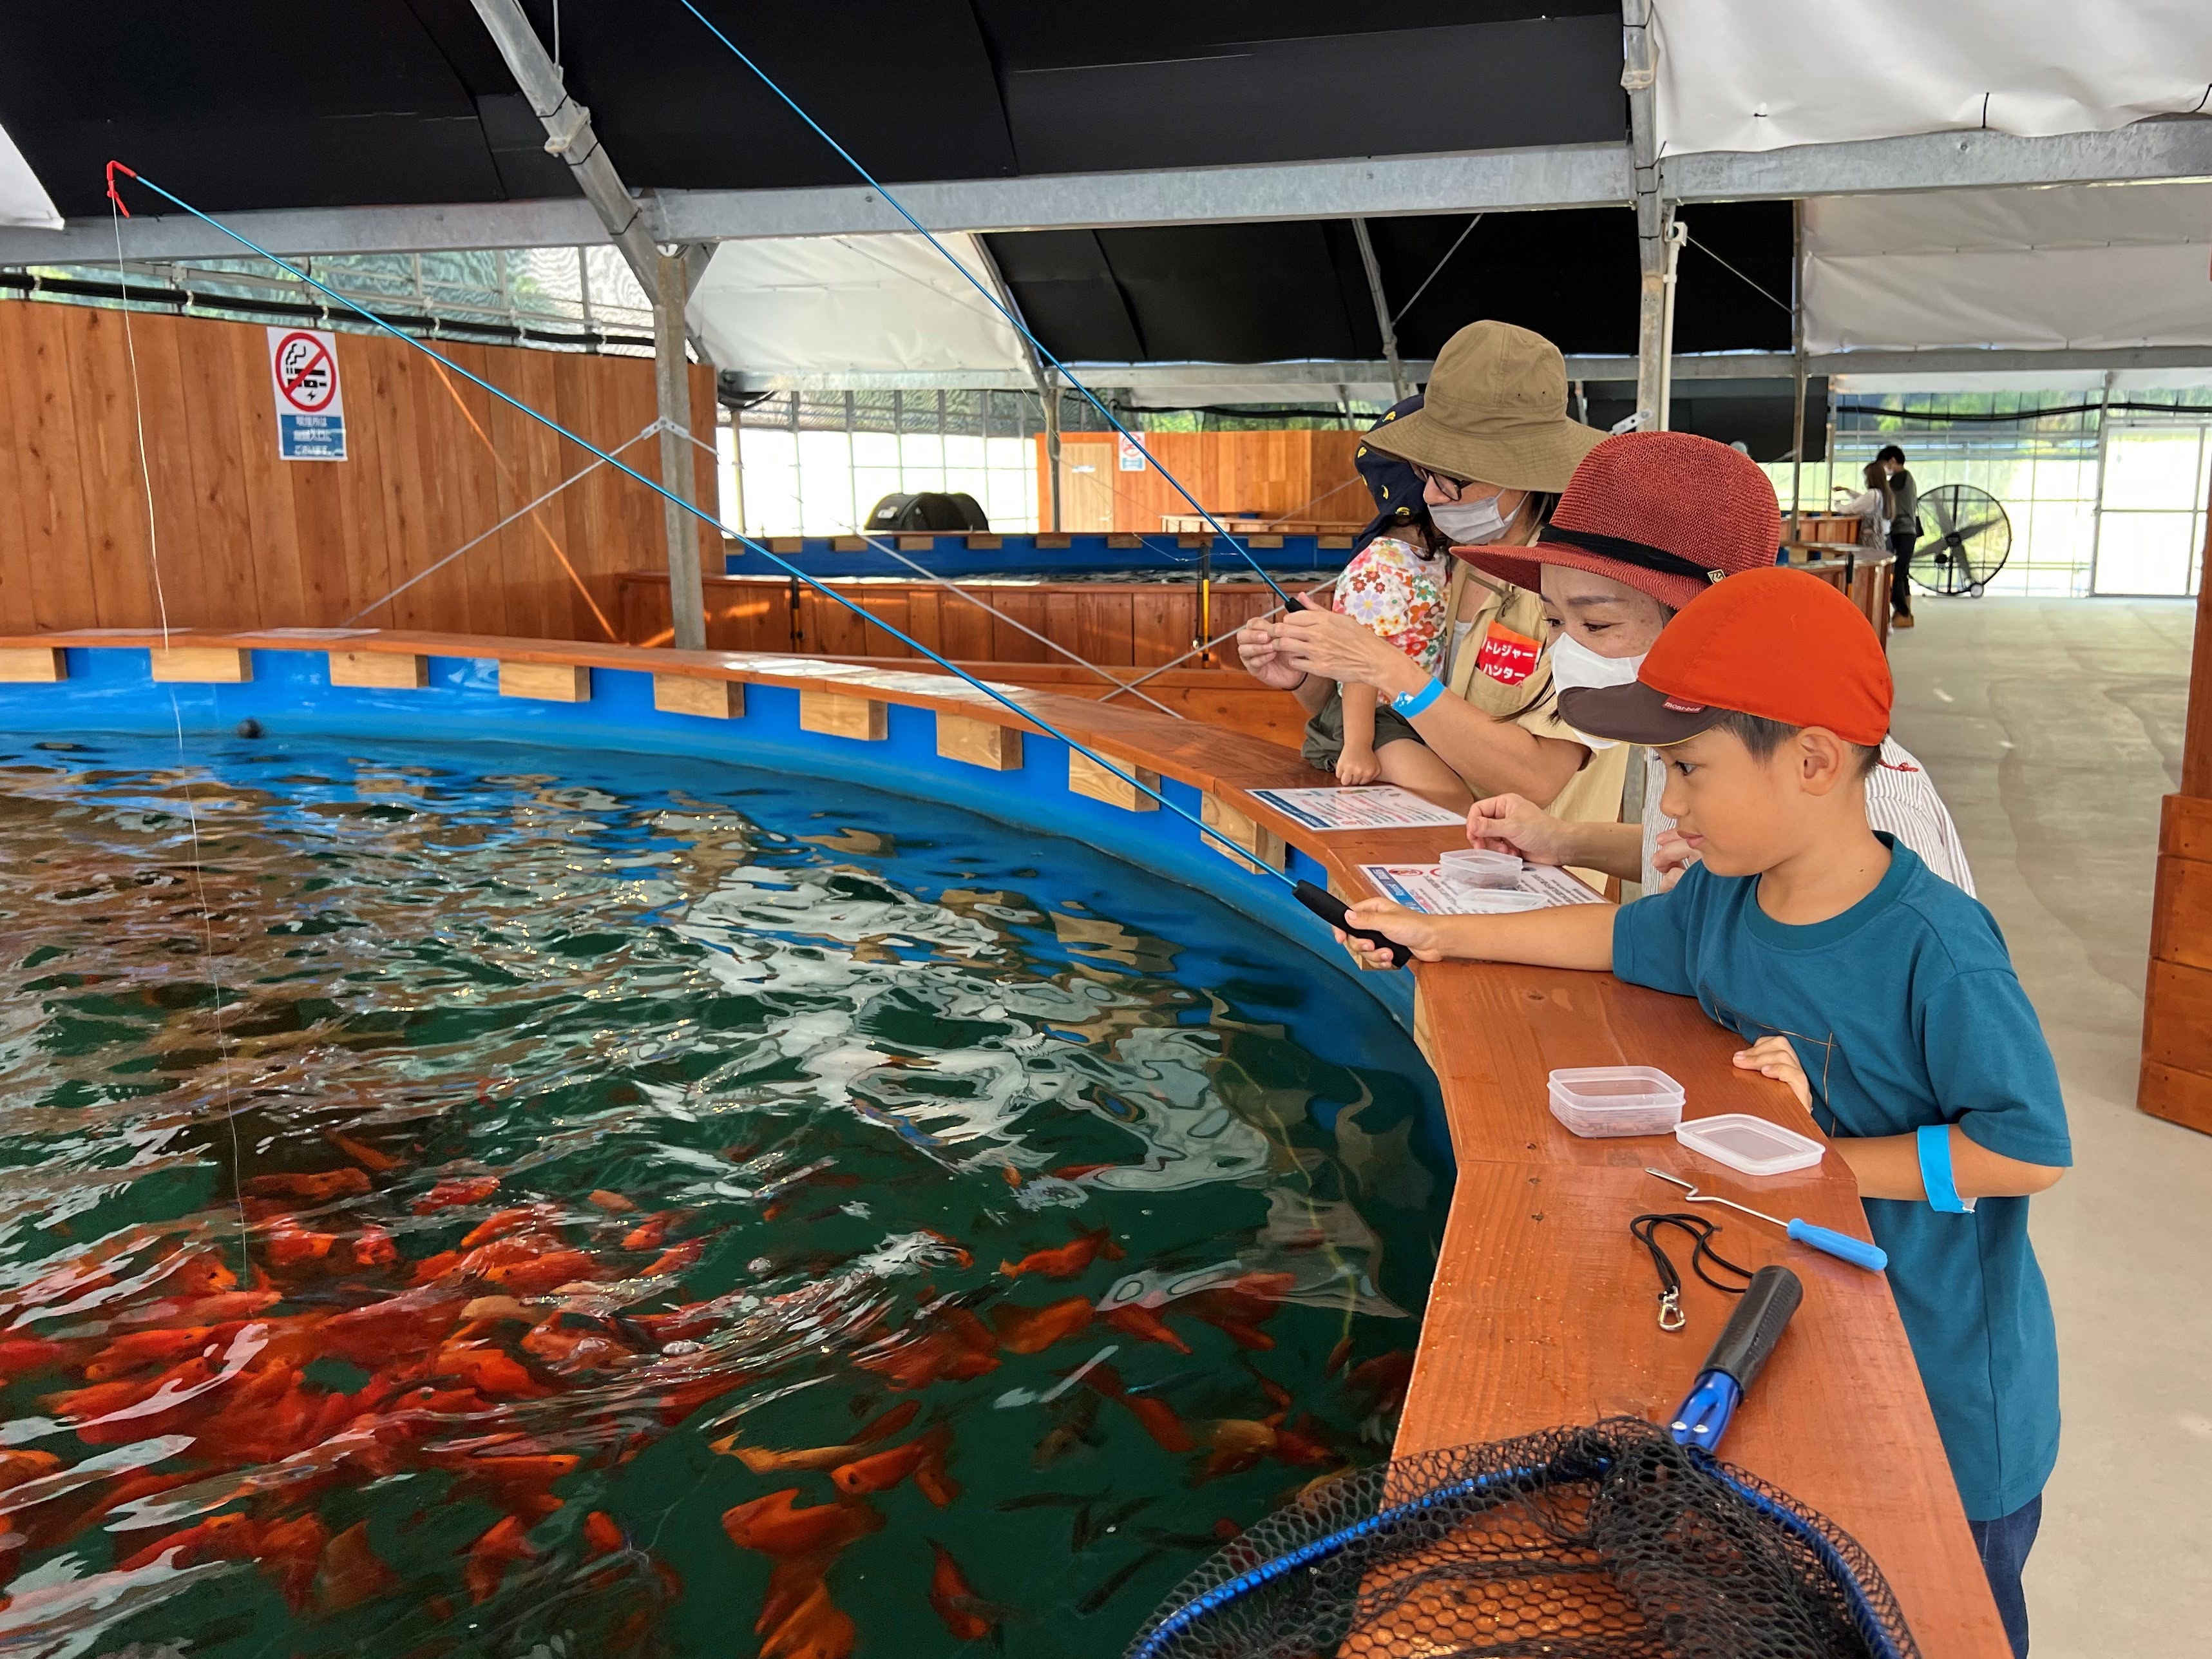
303, 373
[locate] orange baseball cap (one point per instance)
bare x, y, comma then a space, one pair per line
1774, 642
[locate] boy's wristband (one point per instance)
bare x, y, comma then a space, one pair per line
1936, 1170
1417, 703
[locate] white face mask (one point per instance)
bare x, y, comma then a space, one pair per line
1469, 523
1575, 665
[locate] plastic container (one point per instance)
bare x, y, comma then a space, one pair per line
1475, 866
1750, 1144
1597, 1102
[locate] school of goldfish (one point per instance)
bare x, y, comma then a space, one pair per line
460, 1358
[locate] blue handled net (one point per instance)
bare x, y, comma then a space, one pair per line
1607, 1542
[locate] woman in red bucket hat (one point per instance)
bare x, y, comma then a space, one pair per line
1650, 521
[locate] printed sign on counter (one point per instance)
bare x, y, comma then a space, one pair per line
1131, 456
303, 373
1368, 806
1423, 887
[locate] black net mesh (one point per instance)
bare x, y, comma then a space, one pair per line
1609, 1542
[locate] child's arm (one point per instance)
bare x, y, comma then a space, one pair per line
1565, 936
1888, 1166
1357, 764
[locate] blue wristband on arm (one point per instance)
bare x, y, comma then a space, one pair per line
1417, 703
1936, 1170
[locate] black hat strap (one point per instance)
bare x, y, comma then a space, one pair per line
1642, 555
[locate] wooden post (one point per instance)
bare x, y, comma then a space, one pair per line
2176, 1080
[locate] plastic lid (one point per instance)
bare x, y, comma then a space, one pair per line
1749, 1143
1494, 901
1480, 864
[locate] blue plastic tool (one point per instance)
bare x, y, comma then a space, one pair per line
1745, 1344
1857, 1251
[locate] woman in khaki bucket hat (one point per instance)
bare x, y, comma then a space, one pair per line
1495, 446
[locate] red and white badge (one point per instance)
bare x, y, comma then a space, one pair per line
1507, 657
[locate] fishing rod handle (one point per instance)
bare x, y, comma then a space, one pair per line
1748, 1338
1857, 1251
1338, 914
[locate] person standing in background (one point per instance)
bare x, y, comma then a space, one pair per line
1904, 532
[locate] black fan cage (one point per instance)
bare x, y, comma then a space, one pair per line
1608, 1541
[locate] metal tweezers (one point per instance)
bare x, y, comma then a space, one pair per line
1701, 1232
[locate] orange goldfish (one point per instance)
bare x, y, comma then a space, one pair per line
135, 1349
886, 1469
612, 1203
1156, 1416
373, 1247
367, 1157
289, 1244
952, 1601
816, 1629
958, 1351
601, 1534
760, 1460
17, 1466
350, 1572
1032, 1330
501, 1223
289, 1551
651, 1232
545, 1273
447, 1194
311, 1188
889, 1423
225, 1538
22, 1355
791, 1582
1068, 1260
1384, 1379
1236, 1444
373, 1334
774, 1526
1142, 1323
490, 1556
675, 1259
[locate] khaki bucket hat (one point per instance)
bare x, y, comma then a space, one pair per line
1497, 413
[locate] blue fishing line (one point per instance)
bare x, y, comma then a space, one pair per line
1203, 828
899, 208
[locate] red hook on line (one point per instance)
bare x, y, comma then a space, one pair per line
113, 195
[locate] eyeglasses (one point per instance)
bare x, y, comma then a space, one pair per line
1446, 486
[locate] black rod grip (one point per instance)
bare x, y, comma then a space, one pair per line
1336, 913
1756, 1325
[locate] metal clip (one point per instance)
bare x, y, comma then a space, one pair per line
1671, 1316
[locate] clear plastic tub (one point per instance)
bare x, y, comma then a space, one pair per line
1600, 1101
1749, 1143
1475, 866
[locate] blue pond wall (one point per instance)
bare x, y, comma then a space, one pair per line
112, 690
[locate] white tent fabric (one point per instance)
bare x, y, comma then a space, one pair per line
23, 199
1732, 76
850, 302
2081, 266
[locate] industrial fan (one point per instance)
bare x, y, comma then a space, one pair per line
1969, 539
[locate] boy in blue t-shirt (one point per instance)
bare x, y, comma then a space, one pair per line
1881, 995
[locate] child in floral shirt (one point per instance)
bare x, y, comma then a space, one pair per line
1398, 588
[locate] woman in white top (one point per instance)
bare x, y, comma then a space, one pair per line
1873, 507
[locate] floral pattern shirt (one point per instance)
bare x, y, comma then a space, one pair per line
1398, 591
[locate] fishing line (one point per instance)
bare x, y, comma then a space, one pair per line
1003, 310
118, 213
1313, 898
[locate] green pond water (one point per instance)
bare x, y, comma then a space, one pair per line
748, 1088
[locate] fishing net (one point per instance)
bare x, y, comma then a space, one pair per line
1607, 1542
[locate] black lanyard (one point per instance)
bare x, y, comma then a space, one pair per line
1701, 1230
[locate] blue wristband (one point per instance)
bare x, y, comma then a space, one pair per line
1417, 703
1936, 1170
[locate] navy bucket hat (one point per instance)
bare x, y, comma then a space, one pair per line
1393, 483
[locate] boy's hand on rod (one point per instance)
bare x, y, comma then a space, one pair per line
1417, 932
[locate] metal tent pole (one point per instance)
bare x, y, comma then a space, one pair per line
1653, 216
1048, 388
672, 391
1797, 360
1382, 310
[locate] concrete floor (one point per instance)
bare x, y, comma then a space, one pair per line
2053, 727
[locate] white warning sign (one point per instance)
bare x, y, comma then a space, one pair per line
303, 369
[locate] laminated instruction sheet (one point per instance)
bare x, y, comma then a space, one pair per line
1368, 806
1423, 887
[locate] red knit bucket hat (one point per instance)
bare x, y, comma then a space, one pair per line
1666, 512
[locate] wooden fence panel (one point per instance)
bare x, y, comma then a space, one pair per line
246, 539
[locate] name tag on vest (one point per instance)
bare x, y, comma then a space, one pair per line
1507, 657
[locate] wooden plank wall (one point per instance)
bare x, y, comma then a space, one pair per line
1115, 624
2176, 1081
246, 540
1263, 474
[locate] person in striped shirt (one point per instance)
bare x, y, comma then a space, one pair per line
1648, 505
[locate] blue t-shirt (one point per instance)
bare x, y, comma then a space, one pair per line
1905, 1011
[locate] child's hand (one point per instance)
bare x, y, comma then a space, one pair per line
1358, 766
1670, 856
1514, 824
1414, 929
1773, 1057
